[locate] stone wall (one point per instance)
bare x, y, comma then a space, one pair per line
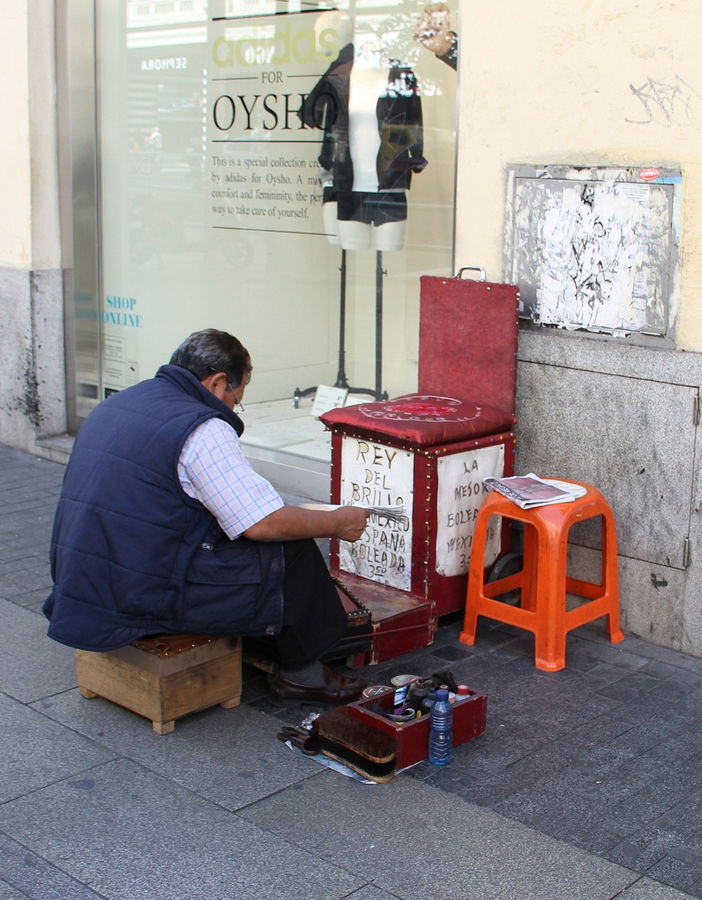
624, 418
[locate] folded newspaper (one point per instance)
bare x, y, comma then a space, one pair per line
529, 490
392, 513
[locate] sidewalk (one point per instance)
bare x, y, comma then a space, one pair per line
586, 784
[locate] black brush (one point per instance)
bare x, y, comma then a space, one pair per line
355, 744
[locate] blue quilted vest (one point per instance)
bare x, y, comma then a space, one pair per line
131, 553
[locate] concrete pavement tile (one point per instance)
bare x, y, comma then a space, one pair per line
661, 743
13, 548
12, 568
648, 708
29, 530
36, 751
32, 601
647, 889
28, 503
678, 696
7, 892
678, 874
31, 664
668, 671
602, 673
371, 892
676, 658
452, 654
489, 674
421, 843
34, 567
570, 818
230, 756
623, 655
487, 790
635, 854
631, 814
585, 655
677, 834
129, 833
28, 875
500, 746
16, 587
9, 587
630, 688
568, 691
549, 717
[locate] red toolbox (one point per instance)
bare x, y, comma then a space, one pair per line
412, 738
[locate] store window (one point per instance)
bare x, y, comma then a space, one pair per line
264, 167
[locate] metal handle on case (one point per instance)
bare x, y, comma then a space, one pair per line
483, 276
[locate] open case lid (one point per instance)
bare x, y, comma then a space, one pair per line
468, 332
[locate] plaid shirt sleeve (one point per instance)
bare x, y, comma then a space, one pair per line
213, 469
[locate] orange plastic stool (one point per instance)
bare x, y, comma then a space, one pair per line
543, 581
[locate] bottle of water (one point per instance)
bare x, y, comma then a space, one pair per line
441, 730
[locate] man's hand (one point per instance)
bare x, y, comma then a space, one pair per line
351, 522
433, 29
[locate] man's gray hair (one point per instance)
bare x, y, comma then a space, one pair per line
205, 352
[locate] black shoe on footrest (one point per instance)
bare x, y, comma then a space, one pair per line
337, 689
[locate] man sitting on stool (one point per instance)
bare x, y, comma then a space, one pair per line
163, 526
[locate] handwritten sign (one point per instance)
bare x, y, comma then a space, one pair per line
460, 493
374, 474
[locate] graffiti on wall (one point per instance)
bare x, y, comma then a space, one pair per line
593, 250
666, 102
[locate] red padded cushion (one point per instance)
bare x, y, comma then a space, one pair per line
420, 419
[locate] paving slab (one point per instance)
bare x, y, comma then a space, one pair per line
669, 846
31, 665
371, 892
7, 892
648, 889
36, 751
25, 874
421, 843
230, 756
134, 835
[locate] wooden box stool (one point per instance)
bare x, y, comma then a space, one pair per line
543, 581
166, 676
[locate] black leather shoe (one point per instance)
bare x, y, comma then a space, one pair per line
337, 689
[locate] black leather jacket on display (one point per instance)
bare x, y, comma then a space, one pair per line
399, 113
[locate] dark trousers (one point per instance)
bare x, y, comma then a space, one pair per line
313, 616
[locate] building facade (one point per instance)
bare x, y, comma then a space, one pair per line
576, 131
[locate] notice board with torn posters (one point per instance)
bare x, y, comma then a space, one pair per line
594, 248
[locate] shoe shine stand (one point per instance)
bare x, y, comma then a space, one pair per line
341, 381
428, 453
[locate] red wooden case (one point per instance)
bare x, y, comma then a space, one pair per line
412, 738
405, 618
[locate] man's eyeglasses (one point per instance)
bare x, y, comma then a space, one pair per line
231, 391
